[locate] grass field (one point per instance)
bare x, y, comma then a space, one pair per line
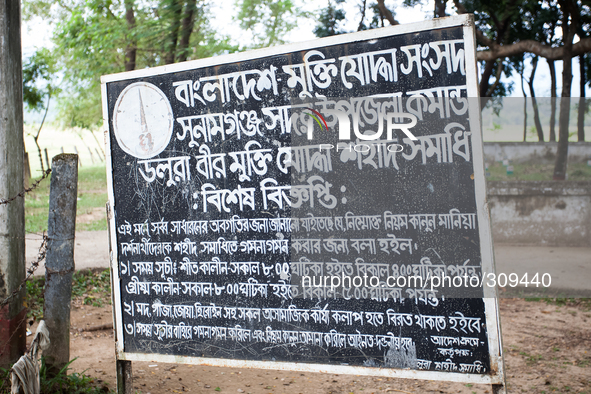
90, 210
92, 192
536, 172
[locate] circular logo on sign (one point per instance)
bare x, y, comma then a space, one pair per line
143, 120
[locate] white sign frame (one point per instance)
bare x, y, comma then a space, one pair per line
496, 373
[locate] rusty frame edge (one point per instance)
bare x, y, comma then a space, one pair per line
113, 257
491, 310
320, 368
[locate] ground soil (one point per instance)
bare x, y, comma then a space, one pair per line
547, 350
91, 215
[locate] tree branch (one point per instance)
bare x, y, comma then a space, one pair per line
386, 12
497, 80
484, 40
363, 8
535, 47
187, 26
131, 48
439, 11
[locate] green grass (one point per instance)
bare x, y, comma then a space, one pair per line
92, 191
531, 359
89, 287
61, 383
536, 172
92, 194
93, 287
584, 304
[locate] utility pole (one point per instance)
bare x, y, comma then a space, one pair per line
12, 215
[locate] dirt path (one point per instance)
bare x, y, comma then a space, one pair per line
547, 350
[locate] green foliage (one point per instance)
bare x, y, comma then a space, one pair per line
330, 19
94, 288
34, 298
38, 71
268, 20
89, 287
5, 381
506, 22
377, 19
64, 383
96, 37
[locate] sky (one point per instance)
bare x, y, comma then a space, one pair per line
37, 33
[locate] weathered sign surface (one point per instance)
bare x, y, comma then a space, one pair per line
300, 208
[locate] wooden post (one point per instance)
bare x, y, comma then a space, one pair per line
76, 151
123, 367
47, 159
12, 215
59, 260
27, 170
124, 377
99, 154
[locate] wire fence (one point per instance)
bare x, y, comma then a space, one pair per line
26, 190
34, 265
42, 249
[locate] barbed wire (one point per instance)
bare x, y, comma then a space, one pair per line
26, 190
42, 247
30, 271
34, 264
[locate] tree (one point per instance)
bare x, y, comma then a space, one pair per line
509, 28
38, 71
268, 20
569, 24
329, 20
521, 70
534, 100
582, 100
98, 37
552, 68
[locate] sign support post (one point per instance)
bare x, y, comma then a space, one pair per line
124, 377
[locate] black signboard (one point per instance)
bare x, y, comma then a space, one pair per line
306, 205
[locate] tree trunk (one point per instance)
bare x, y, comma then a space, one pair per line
36, 138
363, 8
131, 48
386, 13
532, 92
187, 29
582, 102
552, 67
176, 9
524, 106
569, 11
484, 84
440, 8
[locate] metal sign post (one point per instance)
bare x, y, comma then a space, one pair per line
319, 206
